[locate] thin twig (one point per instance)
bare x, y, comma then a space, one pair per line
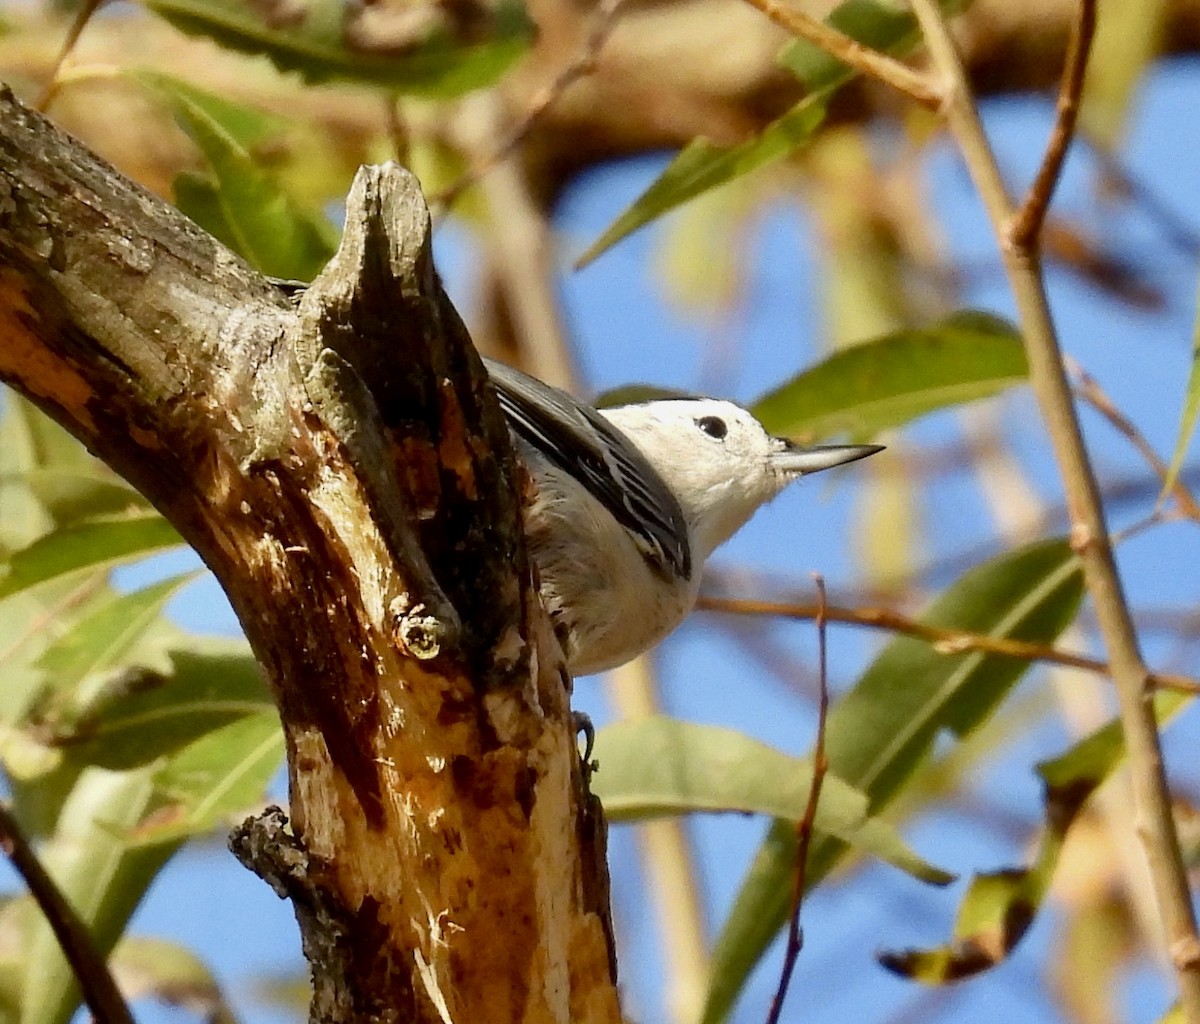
1089, 390
944, 641
1026, 228
82, 17
850, 51
99, 990
804, 827
1089, 536
583, 63
1179, 232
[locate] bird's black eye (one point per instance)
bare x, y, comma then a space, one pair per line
713, 426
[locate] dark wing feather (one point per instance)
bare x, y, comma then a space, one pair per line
583, 443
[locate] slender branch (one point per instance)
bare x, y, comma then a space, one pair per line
99, 990
604, 20
944, 641
78, 24
804, 827
1088, 389
1026, 227
850, 51
1089, 534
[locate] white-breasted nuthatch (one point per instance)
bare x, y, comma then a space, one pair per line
629, 501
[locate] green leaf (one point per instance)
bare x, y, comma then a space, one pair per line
198, 197
881, 732
93, 544
1128, 39
270, 230
434, 64
48, 479
657, 765
701, 165
999, 906
100, 873
897, 378
1191, 410
102, 640
247, 126
221, 774
878, 26
143, 715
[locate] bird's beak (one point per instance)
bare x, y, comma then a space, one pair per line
799, 460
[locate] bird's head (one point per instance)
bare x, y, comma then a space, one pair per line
719, 460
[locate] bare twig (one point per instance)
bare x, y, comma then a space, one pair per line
99, 990
853, 53
1089, 390
804, 827
604, 19
1026, 227
944, 641
82, 17
1179, 232
1089, 534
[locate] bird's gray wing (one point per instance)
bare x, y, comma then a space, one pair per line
584, 444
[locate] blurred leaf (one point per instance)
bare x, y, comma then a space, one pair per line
657, 766
198, 197
100, 873
92, 544
29, 623
701, 165
316, 45
1191, 410
48, 478
101, 640
999, 906
878, 26
246, 126
702, 250
881, 732
268, 228
72, 495
223, 773
1095, 945
897, 378
636, 394
143, 715
171, 973
1128, 38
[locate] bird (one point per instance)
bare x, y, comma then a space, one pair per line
628, 502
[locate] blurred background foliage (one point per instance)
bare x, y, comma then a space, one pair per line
825, 262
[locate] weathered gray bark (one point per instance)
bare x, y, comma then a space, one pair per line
342, 467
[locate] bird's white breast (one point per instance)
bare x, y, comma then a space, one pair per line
605, 599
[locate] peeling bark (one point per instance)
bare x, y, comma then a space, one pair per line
345, 472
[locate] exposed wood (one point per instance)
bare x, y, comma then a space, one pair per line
345, 472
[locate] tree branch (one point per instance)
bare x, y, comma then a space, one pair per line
88, 965
1026, 227
344, 469
851, 52
944, 641
1089, 533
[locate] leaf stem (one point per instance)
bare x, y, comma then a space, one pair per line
1156, 826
